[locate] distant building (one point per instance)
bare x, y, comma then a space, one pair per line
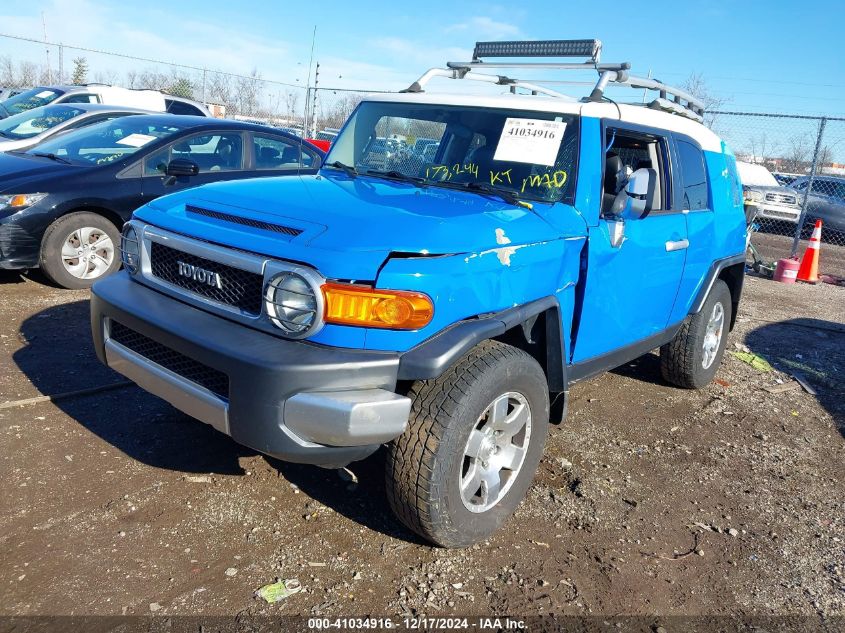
218, 110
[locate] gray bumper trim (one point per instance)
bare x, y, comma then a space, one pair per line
185, 395
348, 418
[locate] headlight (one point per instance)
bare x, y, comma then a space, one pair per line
19, 200
294, 303
753, 196
130, 249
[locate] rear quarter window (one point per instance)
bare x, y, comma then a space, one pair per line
733, 180
694, 176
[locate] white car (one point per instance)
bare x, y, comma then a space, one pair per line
30, 127
151, 100
770, 199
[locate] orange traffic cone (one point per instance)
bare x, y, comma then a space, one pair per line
809, 270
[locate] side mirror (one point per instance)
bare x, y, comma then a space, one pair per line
640, 190
181, 167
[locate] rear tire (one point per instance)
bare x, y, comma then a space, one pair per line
473, 443
78, 249
691, 359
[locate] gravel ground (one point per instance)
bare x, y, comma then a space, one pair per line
650, 499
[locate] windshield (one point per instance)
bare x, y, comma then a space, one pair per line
527, 154
34, 122
755, 175
30, 99
106, 142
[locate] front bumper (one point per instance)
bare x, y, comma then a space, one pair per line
775, 211
292, 400
19, 246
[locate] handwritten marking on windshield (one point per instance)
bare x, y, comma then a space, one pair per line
548, 180
499, 175
447, 172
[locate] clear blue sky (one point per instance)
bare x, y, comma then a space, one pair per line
759, 55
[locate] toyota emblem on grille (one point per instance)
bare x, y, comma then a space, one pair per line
200, 275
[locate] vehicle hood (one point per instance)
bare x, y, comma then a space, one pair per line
18, 172
356, 221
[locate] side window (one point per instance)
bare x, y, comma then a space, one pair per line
180, 107
625, 153
276, 153
82, 97
210, 151
694, 176
823, 187
733, 178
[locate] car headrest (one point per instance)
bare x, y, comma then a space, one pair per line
614, 173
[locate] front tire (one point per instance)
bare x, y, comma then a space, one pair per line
691, 359
473, 444
78, 249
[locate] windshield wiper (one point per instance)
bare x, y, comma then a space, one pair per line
398, 175
348, 169
51, 156
508, 195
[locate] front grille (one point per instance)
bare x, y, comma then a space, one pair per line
237, 288
781, 198
236, 219
215, 381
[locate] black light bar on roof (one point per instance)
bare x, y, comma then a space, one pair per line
538, 48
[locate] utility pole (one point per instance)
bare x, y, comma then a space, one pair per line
61, 63
314, 102
46, 48
305, 125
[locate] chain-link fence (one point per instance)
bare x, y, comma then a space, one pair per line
792, 169
306, 104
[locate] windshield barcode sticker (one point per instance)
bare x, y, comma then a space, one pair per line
532, 141
136, 140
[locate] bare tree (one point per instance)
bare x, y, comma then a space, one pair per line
248, 91
798, 152
762, 150
27, 74
696, 85
7, 72
291, 103
341, 109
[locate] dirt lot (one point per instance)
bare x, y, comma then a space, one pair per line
650, 500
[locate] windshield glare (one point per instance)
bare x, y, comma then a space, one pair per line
106, 142
30, 99
527, 153
34, 122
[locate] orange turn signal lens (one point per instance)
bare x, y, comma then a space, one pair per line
368, 307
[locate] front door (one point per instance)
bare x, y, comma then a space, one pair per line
631, 288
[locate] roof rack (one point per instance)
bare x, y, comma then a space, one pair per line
669, 99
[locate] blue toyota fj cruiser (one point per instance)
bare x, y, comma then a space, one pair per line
457, 264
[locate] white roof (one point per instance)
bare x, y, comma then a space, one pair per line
630, 113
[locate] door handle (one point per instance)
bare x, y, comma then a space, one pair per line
678, 245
